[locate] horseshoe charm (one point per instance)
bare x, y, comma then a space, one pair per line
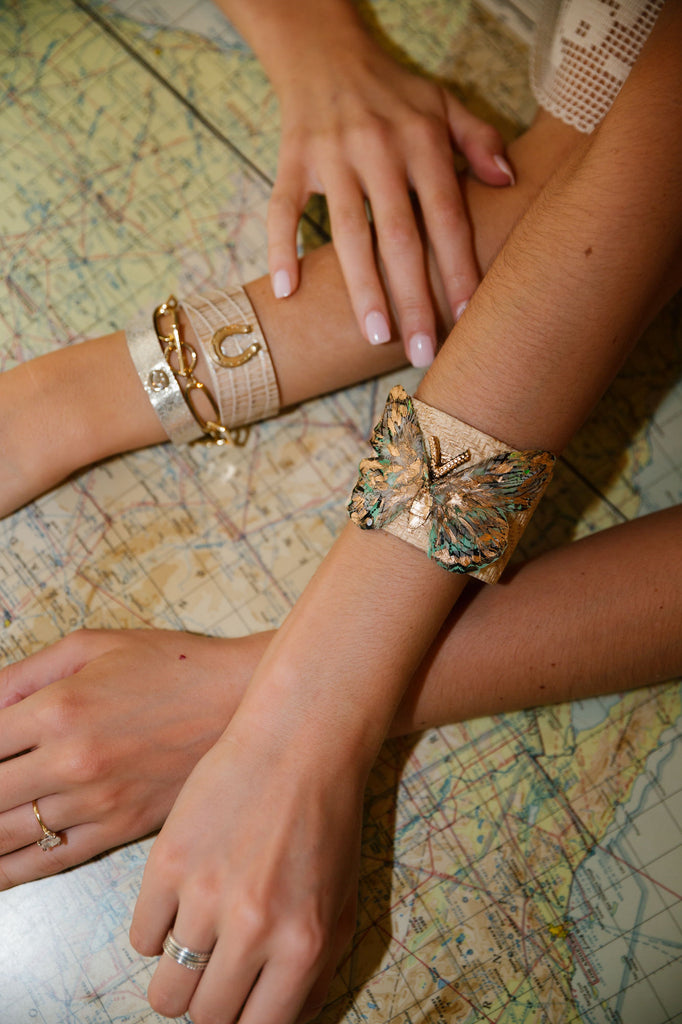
219, 356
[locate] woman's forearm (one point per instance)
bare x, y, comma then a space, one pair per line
335, 671
547, 330
590, 618
289, 38
581, 272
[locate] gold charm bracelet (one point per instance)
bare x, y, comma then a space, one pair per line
182, 360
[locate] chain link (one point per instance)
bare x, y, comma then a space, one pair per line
182, 360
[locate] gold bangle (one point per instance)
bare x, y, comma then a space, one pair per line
182, 358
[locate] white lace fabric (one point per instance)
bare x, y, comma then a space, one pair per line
584, 50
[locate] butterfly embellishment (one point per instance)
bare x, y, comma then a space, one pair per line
468, 508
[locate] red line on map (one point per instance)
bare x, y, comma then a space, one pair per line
639, 871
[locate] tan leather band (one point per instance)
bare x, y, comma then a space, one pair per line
225, 323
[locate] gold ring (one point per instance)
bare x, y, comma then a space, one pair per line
50, 839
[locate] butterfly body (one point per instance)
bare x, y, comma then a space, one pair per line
420, 510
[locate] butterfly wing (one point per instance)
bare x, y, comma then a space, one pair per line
389, 482
469, 521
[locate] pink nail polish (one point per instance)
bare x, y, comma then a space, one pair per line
505, 168
459, 309
281, 284
421, 349
377, 329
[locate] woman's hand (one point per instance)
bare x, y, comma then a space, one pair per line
258, 858
258, 861
357, 126
102, 729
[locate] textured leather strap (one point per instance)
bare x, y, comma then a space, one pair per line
246, 392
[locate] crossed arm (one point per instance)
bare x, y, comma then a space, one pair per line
269, 881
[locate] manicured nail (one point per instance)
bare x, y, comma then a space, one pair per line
505, 168
421, 350
376, 326
460, 309
281, 284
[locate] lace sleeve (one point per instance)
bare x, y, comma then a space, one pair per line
584, 50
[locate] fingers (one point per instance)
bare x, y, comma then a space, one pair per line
382, 136
52, 714
281, 989
317, 996
79, 844
385, 170
354, 247
24, 722
24, 779
19, 827
480, 143
403, 259
239, 981
399, 242
173, 985
157, 903
236, 958
286, 205
448, 228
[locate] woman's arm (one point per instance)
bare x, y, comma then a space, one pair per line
104, 727
84, 769
314, 341
267, 824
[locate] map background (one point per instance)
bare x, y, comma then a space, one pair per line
127, 161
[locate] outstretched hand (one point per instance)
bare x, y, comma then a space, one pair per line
356, 127
102, 729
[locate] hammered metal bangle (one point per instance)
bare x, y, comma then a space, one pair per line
160, 385
461, 496
243, 386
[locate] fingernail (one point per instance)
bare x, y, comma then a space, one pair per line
377, 329
421, 350
460, 309
281, 284
505, 168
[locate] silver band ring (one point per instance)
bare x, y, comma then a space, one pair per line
50, 839
185, 957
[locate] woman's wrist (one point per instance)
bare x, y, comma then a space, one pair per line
289, 39
65, 410
336, 64
336, 670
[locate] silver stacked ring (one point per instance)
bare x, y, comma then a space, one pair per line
184, 956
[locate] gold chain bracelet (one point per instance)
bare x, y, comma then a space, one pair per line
182, 359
